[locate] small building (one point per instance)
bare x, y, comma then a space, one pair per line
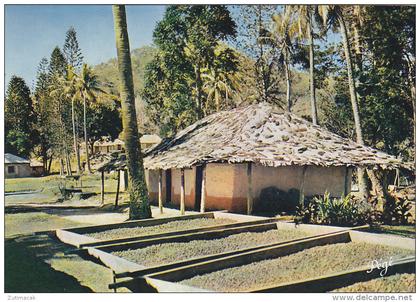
108, 146
15, 166
37, 168
225, 160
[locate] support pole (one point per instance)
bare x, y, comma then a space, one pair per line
302, 183
102, 187
118, 189
182, 203
346, 179
160, 192
203, 191
249, 195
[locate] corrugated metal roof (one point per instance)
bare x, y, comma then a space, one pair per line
13, 159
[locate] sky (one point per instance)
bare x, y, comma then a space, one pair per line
32, 32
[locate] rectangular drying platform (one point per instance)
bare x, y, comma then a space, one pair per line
85, 236
167, 279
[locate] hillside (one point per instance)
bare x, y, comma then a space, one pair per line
140, 57
108, 74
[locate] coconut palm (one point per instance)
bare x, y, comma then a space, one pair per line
283, 33
333, 15
305, 16
139, 204
220, 88
87, 87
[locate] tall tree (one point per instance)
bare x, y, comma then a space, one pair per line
305, 19
19, 118
72, 51
333, 14
283, 34
43, 109
139, 200
57, 77
88, 88
189, 41
253, 28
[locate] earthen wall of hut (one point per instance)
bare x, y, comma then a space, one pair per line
227, 184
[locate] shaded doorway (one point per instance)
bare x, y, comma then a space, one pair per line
168, 184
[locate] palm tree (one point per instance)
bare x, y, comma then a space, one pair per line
139, 204
283, 33
219, 87
66, 86
333, 14
88, 89
305, 15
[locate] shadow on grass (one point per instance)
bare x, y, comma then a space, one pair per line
27, 272
408, 231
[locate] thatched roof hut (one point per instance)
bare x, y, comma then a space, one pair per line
262, 134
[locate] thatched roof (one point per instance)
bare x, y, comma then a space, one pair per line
265, 135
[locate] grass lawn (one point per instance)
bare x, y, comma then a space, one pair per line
47, 189
40, 263
23, 223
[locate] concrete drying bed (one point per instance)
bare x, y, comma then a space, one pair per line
161, 228
160, 254
399, 283
172, 279
151, 228
305, 264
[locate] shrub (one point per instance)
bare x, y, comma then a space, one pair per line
343, 211
396, 210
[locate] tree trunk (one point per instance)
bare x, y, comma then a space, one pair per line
198, 92
61, 166
76, 147
288, 83
354, 104
49, 165
139, 203
86, 135
68, 163
311, 79
379, 187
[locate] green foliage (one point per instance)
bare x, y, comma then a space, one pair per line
189, 54
396, 210
19, 118
71, 49
343, 211
384, 74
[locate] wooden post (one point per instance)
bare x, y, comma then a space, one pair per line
203, 191
118, 189
346, 179
302, 183
182, 203
160, 192
249, 195
102, 187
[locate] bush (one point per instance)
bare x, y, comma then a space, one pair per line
343, 211
396, 210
